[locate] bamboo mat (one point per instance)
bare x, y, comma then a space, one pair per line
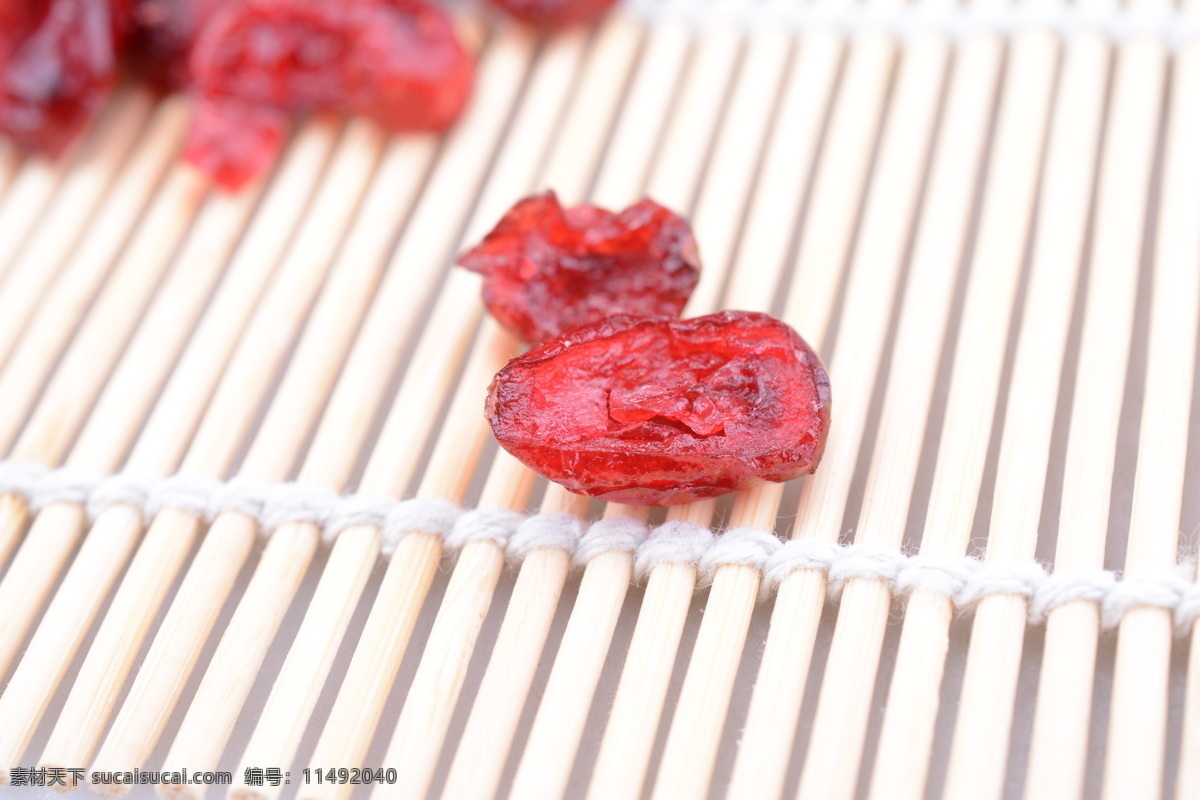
985, 217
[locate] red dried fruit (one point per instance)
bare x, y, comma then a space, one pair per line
395, 61
548, 269
57, 66
662, 411
555, 13
162, 38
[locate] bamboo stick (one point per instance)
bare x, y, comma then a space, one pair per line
625, 749
101, 447
907, 735
1058, 748
217, 441
75, 204
834, 756
299, 684
28, 191
10, 162
492, 724
699, 718
44, 338
85, 366
550, 751
344, 426
356, 711
106, 550
1138, 694
977, 366
48, 247
152, 696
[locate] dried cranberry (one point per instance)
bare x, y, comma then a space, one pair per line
548, 269
57, 66
657, 411
395, 61
555, 13
163, 34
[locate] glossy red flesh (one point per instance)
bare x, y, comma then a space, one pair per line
397, 62
662, 411
548, 269
555, 13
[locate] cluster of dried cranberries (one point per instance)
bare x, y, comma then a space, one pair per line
255, 63
250, 63
621, 399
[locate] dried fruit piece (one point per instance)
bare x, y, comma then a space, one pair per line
661, 411
395, 61
162, 38
548, 269
555, 13
57, 66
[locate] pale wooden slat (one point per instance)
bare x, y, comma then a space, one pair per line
111, 541
72, 218
87, 361
624, 753
834, 756
696, 727
1139, 698
29, 190
423, 722
232, 672
304, 387
1058, 747
10, 162
491, 726
907, 735
230, 412
558, 727
102, 445
977, 767
372, 670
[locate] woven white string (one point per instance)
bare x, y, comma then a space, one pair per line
1173, 27
964, 580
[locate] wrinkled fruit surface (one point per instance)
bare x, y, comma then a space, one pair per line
162, 38
555, 13
58, 64
548, 269
397, 62
662, 411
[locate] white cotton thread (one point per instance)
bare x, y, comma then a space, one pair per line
480, 524
297, 502
125, 489
674, 542
965, 580
1164, 591
942, 575
620, 534
1000, 577
799, 554
355, 511
745, 547
865, 562
559, 531
240, 493
63, 485
21, 477
1068, 586
432, 515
